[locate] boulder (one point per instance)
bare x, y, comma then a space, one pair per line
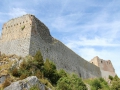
26, 84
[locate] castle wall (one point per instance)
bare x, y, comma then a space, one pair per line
105, 74
62, 56
26, 35
15, 37
105, 66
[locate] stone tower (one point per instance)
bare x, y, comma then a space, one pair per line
105, 66
26, 34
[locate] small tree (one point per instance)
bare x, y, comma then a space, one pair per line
50, 71
38, 60
62, 73
96, 85
115, 83
110, 77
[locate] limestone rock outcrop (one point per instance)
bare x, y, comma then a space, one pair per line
26, 84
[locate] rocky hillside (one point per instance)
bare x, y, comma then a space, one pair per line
32, 73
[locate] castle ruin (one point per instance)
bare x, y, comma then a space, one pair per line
105, 66
26, 35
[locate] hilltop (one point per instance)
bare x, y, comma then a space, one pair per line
26, 35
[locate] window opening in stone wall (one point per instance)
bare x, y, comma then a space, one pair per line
92, 62
23, 21
101, 61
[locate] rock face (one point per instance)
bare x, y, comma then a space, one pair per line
25, 35
105, 66
3, 78
26, 84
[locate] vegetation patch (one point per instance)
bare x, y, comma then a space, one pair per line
47, 73
22, 28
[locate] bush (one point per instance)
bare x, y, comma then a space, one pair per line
15, 72
50, 72
96, 85
34, 87
38, 60
115, 83
70, 83
116, 78
110, 77
62, 73
39, 74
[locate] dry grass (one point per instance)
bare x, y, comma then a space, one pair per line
47, 83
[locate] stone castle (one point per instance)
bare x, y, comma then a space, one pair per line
26, 35
105, 66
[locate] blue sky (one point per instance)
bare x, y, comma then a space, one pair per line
89, 27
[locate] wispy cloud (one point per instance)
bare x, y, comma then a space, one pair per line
92, 42
16, 12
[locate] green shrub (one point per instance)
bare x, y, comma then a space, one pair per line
35, 87
15, 72
110, 77
62, 73
96, 84
115, 83
116, 78
50, 72
39, 74
70, 83
38, 59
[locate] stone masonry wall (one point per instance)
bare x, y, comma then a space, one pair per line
26, 35
105, 66
15, 37
62, 56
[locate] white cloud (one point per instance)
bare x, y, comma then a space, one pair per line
91, 42
16, 12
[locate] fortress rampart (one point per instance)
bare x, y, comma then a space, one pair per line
105, 66
26, 35
16, 28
